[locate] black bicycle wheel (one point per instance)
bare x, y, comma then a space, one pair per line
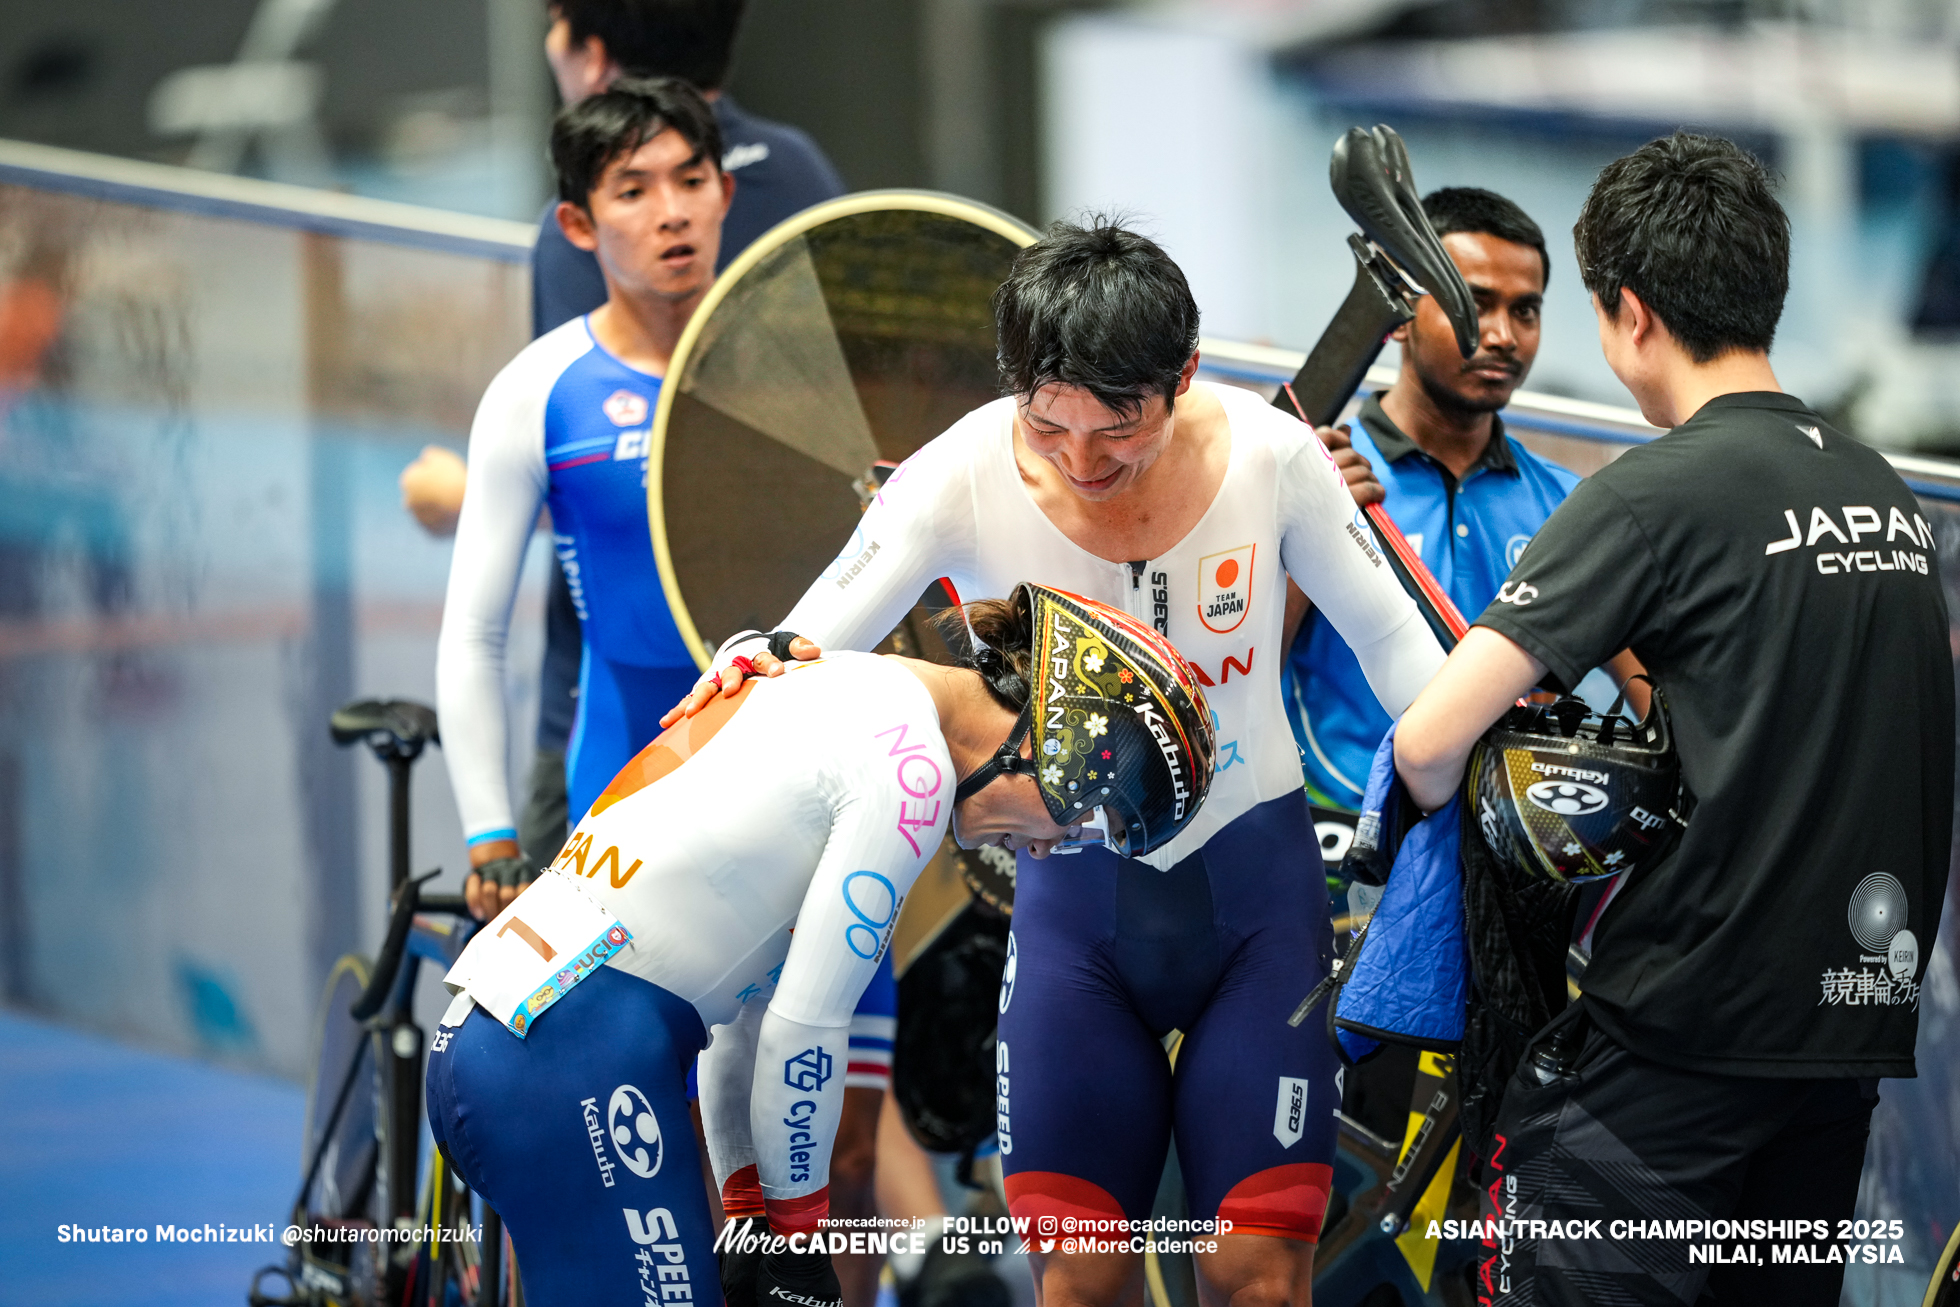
341, 1142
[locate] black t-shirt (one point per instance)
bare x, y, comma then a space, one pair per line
1780, 584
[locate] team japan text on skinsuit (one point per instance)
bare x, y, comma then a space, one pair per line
957, 508
709, 870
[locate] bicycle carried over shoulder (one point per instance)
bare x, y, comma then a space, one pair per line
367, 1237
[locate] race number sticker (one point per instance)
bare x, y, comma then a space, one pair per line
531, 954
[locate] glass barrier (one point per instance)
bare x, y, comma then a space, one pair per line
203, 410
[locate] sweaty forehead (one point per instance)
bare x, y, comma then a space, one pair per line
1076, 408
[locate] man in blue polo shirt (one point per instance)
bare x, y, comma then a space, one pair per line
1467, 496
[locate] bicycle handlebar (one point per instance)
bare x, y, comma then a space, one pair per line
408, 901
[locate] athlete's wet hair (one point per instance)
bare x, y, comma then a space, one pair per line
995, 637
1454, 209
1691, 225
588, 136
1099, 307
690, 39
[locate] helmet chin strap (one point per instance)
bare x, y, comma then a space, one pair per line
1007, 759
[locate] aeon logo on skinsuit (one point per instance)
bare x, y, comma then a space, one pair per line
634, 1132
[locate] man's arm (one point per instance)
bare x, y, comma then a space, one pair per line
880, 838
505, 487
1365, 488
1484, 675
1339, 568
912, 535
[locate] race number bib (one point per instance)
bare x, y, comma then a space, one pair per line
531, 954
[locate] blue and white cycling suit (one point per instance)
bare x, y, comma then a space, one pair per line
691, 901
565, 424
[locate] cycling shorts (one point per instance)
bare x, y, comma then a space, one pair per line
1107, 956
873, 1026
1621, 1139
579, 1136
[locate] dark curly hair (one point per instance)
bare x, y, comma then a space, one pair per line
1095, 306
1691, 225
587, 137
690, 39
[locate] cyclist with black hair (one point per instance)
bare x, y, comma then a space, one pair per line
1108, 470
1466, 494
565, 424
1778, 581
690, 901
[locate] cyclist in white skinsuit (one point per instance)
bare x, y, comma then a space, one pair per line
1220, 932
691, 899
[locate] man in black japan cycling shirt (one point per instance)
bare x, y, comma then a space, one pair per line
1781, 584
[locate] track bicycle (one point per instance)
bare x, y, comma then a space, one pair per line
368, 1236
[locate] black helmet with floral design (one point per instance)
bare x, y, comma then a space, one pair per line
1117, 718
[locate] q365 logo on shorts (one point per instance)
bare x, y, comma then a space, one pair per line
634, 1132
809, 1071
1518, 593
1567, 798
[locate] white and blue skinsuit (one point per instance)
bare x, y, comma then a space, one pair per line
567, 424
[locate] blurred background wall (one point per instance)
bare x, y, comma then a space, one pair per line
1207, 120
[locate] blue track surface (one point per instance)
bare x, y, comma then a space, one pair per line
100, 1134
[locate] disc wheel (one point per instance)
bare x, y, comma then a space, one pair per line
845, 337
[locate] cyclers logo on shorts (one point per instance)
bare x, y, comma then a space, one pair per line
630, 1123
809, 1071
802, 1122
1517, 593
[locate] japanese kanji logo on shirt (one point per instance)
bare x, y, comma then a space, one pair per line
1877, 917
625, 408
1225, 588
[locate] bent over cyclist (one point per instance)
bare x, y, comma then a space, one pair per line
689, 900
1109, 471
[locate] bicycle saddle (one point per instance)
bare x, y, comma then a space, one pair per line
1373, 181
409, 724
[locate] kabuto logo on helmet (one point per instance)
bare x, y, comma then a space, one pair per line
1566, 794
